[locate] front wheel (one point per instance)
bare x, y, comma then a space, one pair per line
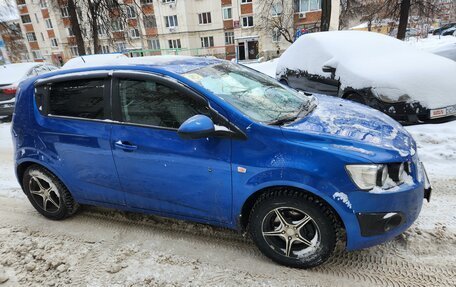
48, 194
293, 229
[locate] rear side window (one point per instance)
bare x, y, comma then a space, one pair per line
77, 98
150, 103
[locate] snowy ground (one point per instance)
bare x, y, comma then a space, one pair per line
100, 247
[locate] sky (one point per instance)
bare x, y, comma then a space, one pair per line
8, 10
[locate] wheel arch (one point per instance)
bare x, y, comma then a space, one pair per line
252, 199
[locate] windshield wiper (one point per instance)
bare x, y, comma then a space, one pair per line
283, 120
305, 109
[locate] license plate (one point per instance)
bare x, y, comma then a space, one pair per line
443, 112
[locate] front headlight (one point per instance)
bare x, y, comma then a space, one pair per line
368, 176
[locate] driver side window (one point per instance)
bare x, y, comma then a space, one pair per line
150, 103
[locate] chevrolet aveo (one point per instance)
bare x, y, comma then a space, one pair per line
215, 142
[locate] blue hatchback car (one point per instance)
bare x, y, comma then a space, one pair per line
215, 142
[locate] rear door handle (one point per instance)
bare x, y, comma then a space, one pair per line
125, 145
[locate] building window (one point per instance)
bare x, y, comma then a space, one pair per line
276, 35
247, 21
20, 2
42, 37
74, 51
168, 1
70, 31
43, 4
48, 23
207, 42
174, 44
117, 25
26, 19
54, 42
276, 9
229, 38
101, 29
131, 12
147, 1
246, 1
134, 33
121, 46
153, 44
105, 49
227, 13
150, 21
37, 54
171, 21
31, 37
36, 18
64, 12
309, 5
205, 18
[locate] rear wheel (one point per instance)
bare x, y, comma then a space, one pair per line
47, 193
293, 229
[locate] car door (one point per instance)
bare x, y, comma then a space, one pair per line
71, 113
158, 170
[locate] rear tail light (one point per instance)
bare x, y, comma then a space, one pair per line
9, 90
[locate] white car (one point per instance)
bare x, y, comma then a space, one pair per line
10, 77
402, 81
93, 60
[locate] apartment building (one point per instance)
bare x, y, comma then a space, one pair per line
222, 28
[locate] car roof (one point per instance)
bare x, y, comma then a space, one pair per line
172, 64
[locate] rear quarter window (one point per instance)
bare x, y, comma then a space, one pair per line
77, 98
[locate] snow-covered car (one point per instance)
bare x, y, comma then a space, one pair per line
92, 60
404, 82
10, 77
442, 29
449, 32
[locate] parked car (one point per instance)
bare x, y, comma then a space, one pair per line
410, 32
10, 77
440, 30
450, 31
215, 142
405, 83
92, 60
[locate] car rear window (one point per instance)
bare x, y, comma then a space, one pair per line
77, 98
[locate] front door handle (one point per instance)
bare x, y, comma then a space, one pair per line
125, 145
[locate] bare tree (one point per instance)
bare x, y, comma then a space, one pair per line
278, 16
91, 19
10, 31
325, 15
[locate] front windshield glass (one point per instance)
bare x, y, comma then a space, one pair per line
256, 95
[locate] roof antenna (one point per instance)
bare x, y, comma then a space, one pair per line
83, 59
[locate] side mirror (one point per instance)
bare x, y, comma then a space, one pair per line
328, 69
196, 127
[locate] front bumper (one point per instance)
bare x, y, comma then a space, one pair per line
379, 217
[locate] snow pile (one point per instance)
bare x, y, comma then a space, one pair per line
436, 147
8, 184
268, 68
442, 46
366, 59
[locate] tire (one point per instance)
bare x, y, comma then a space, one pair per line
48, 194
283, 82
311, 244
355, 98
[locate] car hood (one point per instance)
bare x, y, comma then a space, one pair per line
353, 127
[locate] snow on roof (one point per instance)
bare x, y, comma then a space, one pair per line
366, 59
175, 64
13, 73
92, 60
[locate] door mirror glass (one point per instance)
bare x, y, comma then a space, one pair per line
196, 127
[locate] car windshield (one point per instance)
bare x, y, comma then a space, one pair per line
258, 96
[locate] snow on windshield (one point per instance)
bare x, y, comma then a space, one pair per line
365, 59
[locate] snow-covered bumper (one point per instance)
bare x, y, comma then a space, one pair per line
379, 217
